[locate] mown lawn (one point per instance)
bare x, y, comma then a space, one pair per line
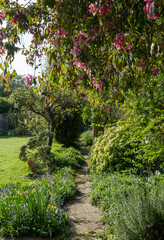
11, 168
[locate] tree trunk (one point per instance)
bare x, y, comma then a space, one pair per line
50, 139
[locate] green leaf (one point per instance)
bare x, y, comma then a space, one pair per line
1, 67
36, 89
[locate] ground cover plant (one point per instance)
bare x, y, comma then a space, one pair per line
34, 209
11, 168
132, 207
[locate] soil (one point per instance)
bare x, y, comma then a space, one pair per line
84, 219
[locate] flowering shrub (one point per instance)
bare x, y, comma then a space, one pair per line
34, 209
129, 146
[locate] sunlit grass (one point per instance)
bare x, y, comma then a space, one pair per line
11, 168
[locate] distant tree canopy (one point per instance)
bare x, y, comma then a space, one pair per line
54, 105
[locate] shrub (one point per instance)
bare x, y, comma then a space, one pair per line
132, 207
34, 209
5, 105
141, 215
87, 137
69, 157
132, 146
68, 129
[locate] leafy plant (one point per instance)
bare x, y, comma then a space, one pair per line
131, 146
34, 209
132, 207
69, 157
87, 137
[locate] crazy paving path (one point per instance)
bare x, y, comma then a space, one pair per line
85, 219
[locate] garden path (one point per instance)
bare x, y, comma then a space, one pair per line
85, 219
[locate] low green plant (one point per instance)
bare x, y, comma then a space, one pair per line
87, 137
69, 157
132, 207
34, 209
140, 214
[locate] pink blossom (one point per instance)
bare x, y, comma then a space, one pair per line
79, 64
98, 84
153, 17
141, 64
29, 79
108, 109
2, 34
2, 50
148, 1
16, 18
93, 8
104, 9
155, 70
62, 32
147, 8
1, 16
121, 42
76, 50
80, 37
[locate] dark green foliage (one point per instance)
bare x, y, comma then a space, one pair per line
87, 137
68, 128
5, 105
69, 157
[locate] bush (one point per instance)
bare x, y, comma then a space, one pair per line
131, 146
132, 207
68, 129
69, 157
34, 209
5, 105
140, 215
87, 137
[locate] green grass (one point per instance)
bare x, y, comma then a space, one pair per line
11, 168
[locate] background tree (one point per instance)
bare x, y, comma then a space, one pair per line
51, 104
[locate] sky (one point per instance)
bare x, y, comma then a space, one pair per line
19, 63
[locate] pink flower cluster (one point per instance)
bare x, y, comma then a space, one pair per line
148, 8
141, 64
2, 50
62, 32
80, 38
29, 79
2, 34
16, 18
76, 50
104, 10
98, 84
1, 16
79, 64
121, 42
155, 70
